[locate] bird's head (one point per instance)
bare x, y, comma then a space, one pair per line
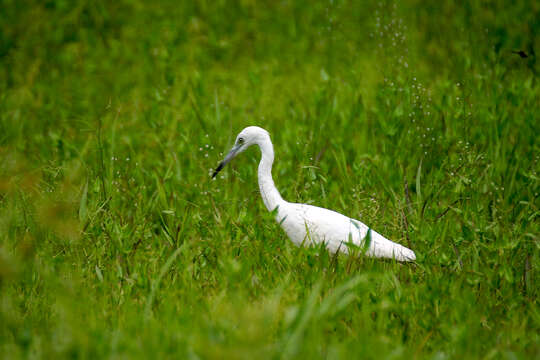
247, 137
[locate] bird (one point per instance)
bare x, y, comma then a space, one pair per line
307, 224
522, 54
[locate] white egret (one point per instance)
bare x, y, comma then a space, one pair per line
307, 224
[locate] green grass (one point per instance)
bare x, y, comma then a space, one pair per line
413, 117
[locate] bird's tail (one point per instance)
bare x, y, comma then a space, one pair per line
381, 247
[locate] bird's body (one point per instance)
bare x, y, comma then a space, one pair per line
307, 224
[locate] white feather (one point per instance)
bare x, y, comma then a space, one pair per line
307, 224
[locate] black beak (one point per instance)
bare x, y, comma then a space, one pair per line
218, 169
225, 161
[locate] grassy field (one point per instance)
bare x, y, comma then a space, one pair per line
417, 118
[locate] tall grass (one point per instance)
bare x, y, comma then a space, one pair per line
416, 118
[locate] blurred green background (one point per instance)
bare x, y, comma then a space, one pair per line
419, 118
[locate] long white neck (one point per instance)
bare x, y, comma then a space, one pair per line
269, 193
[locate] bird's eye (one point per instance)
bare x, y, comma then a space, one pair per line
240, 141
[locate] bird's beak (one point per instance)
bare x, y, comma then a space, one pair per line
225, 161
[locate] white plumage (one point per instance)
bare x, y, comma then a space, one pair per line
307, 224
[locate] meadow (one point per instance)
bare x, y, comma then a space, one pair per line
420, 119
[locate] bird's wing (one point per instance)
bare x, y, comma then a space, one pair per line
306, 223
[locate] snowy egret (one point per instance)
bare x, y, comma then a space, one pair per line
307, 224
